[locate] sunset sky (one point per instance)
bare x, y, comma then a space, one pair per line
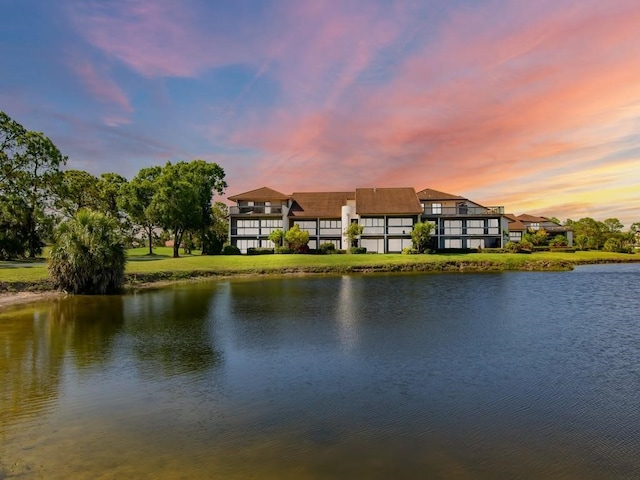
534, 105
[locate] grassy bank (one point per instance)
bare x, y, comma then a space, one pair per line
143, 268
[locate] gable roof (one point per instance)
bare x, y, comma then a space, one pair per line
514, 223
263, 194
387, 201
319, 204
431, 194
525, 217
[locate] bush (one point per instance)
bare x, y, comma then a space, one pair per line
559, 241
230, 250
88, 255
297, 239
563, 249
259, 251
519, 247
494, 250
327, 247
358, 250
409, 251
282, 250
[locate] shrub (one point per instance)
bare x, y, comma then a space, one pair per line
420, 236
282, 250
617, 245
327, 247
259, 251
519, 247
88, 255
358, 250
409, 251
495, 250
230, 250
559, 241
297, 239
563, 249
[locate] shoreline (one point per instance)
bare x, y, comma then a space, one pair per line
21, 293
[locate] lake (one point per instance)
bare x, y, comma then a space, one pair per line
498, 375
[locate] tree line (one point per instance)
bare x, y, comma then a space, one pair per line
37, 196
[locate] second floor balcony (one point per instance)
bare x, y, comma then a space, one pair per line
462, 210
256, 210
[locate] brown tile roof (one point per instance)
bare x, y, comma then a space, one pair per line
319, 204
514, 223
387, 201
264, 194
430, 194
525, 217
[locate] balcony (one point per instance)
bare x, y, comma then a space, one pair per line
463, 210
256, 210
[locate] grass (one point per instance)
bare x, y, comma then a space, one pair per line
142, 267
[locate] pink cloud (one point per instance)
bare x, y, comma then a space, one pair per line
492, 101
494, 98
105, 90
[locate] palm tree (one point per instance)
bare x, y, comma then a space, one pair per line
88, 255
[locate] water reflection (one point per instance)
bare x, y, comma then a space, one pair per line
518, 375
38, 342
171, 331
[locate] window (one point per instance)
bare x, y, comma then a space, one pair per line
534, 226
372, 226
436, 208
247, 227
452, 243
372, 222
475, 227
475, 243
330, 224
452, 227
494, 225
307, 226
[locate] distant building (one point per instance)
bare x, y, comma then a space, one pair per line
519, 225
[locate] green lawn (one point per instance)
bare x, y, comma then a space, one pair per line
162, 265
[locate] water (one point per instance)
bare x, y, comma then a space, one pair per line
512, 375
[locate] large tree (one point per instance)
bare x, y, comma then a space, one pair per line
29, 172
137, 198
77, 190
182, 201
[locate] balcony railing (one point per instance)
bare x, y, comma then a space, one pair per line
256, 210
463, 210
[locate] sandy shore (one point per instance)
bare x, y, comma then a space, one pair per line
18, 298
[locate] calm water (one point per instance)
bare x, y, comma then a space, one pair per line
512, 375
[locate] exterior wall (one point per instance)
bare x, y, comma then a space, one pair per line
386, 234
466, 231
250, 223
321, 230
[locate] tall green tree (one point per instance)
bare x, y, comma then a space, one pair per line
75, 191
29, 171
111, 190
217, 233
594, 232
136, 200
182, 201
613, 225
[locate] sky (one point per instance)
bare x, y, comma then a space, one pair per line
531, 105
